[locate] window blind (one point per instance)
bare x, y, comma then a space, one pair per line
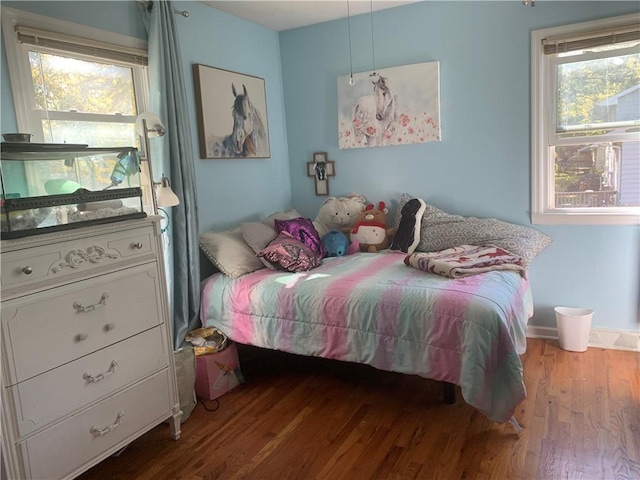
79, 45
595, 38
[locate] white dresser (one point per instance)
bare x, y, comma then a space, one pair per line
87, 357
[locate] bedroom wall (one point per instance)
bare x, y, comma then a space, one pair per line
480, 168
482, 165
228, 190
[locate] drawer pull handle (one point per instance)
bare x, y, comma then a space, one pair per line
27, 270
110, 326
101, 376
98, 432
137, 245
82, 336
101, 303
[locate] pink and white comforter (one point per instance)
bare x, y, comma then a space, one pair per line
373, 309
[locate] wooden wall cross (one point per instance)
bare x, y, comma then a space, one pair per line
321, 169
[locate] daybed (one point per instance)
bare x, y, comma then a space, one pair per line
372, 308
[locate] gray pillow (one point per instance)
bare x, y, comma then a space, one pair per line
258, 235
288, 215
440, 230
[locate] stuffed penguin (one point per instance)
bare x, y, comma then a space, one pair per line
407, 236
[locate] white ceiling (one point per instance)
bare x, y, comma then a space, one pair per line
288, 14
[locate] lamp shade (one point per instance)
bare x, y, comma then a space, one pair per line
166, 196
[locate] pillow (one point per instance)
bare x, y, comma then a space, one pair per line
440, 230
302, 229
258, 235
431, 212
290, 254
229, 252
232, 254
288, 215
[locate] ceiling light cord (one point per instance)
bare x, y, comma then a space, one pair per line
351, 80
373, 47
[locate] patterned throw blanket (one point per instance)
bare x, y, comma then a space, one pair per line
465, 260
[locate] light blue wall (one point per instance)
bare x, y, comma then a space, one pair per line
480, 168
482, 165
228, 190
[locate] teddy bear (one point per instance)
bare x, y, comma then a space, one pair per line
339, 214
370, 229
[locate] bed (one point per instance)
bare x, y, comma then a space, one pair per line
374, 309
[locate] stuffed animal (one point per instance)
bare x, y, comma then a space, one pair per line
407, 236
339, 213
335, 243
370, 229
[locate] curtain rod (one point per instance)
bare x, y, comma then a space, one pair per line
149, 4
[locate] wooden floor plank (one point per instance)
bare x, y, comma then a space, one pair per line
312, 419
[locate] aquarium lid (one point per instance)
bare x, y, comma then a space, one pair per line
25, 151
30, 147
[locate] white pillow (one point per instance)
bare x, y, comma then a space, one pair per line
229, 252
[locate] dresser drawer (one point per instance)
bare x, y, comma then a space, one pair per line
61, 450
45, 330
54, 394
28, 266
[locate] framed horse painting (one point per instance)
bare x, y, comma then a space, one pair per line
232, 114
393, 106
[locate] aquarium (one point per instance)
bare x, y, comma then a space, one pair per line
48, 187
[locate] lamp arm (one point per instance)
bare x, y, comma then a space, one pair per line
150, 165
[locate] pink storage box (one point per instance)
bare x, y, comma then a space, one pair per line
217, 373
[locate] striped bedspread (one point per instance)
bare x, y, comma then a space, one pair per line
373, 309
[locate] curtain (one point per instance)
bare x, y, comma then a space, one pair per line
167, 98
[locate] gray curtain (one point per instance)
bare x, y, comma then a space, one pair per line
167, 99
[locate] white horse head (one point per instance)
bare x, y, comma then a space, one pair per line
373, 114
385, 98
249, 132
248, 137
242, 112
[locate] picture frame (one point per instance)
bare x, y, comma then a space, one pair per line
321, 168
394, 106
232, 114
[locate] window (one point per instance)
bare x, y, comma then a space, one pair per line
87, 88
586, 123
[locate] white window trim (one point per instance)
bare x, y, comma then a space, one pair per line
20, 74
542, 177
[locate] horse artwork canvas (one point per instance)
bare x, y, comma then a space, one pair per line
394, 106
232, 118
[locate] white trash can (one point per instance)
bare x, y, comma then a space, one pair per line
574, 326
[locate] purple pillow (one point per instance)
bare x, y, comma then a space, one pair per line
302, 229
290, 254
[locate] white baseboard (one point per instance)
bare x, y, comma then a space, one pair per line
598, 337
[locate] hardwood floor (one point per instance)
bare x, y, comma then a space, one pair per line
308, 418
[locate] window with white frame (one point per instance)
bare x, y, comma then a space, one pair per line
586, 123
87, 88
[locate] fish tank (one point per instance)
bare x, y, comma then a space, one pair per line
48, 187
